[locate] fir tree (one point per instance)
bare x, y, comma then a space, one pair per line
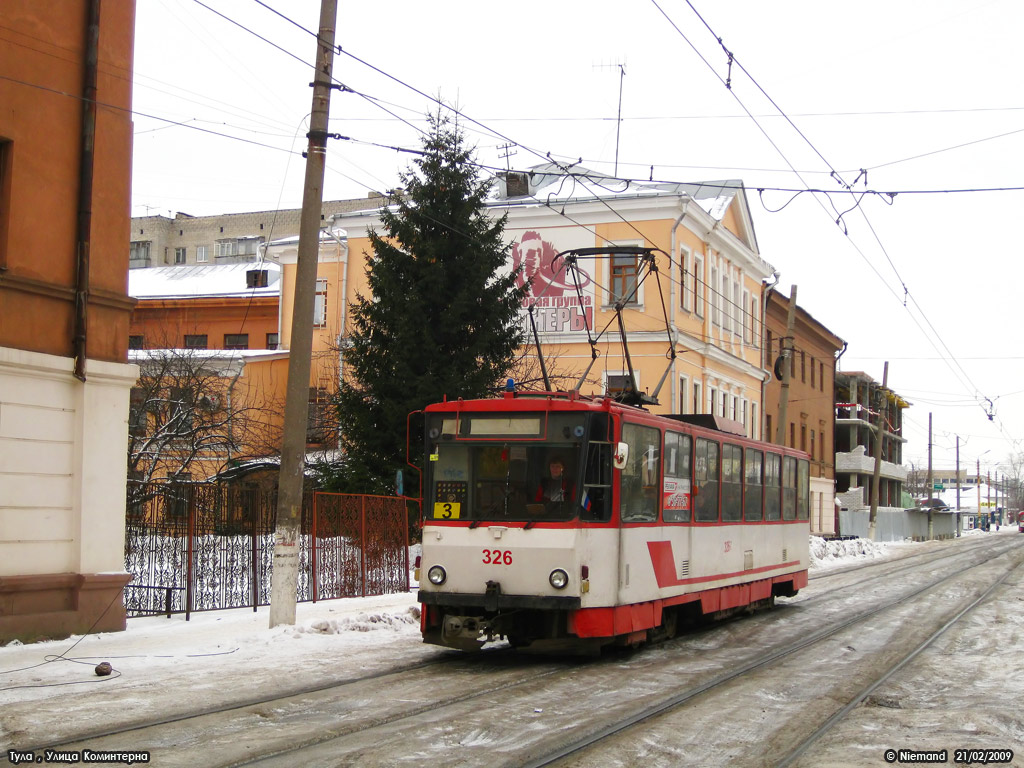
442, 314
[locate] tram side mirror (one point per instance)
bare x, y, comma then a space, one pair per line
621, 455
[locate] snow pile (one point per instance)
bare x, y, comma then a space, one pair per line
828, 552
364, 622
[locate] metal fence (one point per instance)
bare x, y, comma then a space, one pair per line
196, 546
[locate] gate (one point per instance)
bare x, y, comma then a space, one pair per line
198, 546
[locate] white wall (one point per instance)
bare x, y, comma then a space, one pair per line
63, 464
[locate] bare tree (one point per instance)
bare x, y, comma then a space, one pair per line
190, 416
1013, 480
916, 483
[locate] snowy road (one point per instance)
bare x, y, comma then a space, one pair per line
506, 709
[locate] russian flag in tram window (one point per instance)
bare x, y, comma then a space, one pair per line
585, 501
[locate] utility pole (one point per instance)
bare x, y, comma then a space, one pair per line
931, 532
977, 485
877, 475
296, 411
958, 485
787, 368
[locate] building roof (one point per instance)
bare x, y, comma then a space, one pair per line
202, 280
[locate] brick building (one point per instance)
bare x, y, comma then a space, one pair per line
810, 412
65, 173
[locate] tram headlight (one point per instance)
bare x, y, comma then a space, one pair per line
436, 575
558, 578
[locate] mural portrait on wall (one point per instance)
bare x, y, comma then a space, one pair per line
552, 290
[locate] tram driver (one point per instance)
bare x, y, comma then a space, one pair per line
556, 487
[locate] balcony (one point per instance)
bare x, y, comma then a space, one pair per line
857, 462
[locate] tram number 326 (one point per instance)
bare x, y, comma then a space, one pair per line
497, 557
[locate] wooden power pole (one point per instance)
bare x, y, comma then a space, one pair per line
787, 369
284, 581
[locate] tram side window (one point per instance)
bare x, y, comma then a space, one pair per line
772, 486
595, 502
753, 496
803, 490
705, 477
732, 483
788, 488
638, 491
676, 491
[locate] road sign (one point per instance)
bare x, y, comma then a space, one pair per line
938, 487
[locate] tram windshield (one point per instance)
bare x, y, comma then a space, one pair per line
523, 468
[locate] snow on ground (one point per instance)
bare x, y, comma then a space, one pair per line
827, 553
234, 653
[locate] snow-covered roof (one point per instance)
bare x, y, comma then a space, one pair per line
549, 182
202, 280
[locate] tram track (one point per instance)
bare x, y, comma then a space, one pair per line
325, 751
576, 753
410, 701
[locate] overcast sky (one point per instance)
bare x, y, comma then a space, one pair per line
925, 96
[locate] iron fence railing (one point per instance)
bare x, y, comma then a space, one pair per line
198, 546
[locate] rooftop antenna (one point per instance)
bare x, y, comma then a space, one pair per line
506, 151
618, 120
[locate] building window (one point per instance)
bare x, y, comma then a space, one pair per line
318, 424
256, 278
713, 397
138, 254
225, 249
682, 394
136, 342
812, 373
5, 196
715, 298
792, 434
748, 320
179, 255
737, 309
624, 271
236, 341
320, 304
616, 383
803, 367
272, 341
812, 444
698, 285
803, 437
769, 435
138, 417
195, 341
821, 376
201, 254
685, 298
755, 426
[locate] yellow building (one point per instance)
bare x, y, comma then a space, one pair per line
704, 300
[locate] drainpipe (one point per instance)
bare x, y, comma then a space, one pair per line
231, 389
674, 337
88, 143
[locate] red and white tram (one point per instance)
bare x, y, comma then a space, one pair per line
652, 519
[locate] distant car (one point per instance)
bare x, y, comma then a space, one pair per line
934, 505
1020, 526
